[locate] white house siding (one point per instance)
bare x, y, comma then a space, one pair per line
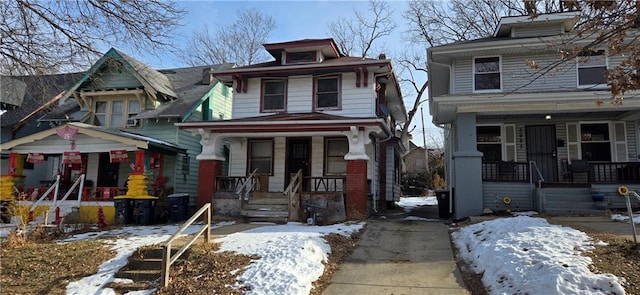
389, 177
356, 101
463, 76
536, 31
518, 76
238, 157
300, 94
221, 101
317, 156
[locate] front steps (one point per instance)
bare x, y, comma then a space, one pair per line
266, 207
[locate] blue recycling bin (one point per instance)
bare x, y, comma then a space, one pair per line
124, 210
144, 210
178, 207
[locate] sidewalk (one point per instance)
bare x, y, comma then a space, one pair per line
398, 256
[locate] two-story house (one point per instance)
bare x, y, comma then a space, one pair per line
117, 120
525, 123
311, 122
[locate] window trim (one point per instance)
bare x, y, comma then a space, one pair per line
504, 145
314, 57
109, 112
249, 145
473, 75
606, 67
262, 96
338, 107
326, 156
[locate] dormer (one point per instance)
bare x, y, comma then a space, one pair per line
307, 51
539, 26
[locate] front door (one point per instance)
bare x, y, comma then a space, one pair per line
298, 157
541, 148
107, 171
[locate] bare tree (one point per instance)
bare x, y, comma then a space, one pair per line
240, 44
51, 36
363, 32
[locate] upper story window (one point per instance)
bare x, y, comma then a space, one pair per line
274, 95
297, 57
592, 69
487, 74
327, 96
116, 113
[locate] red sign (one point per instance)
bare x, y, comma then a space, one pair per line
67, 132
35, 158
72, 158
117, 156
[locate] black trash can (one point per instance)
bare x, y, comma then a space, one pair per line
144, 210
178, 207
5, 214
124, 210
444, 204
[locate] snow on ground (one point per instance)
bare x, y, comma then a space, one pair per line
625, 218
411, 203
525, 255
291, 255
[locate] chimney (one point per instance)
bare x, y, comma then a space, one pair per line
382, 56
206, 76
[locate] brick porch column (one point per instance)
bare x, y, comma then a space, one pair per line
356, 189
209, 166
208, 170
356, 186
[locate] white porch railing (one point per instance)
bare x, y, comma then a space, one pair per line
250, 184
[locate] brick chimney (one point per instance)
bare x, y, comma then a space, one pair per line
382, 56
206, 76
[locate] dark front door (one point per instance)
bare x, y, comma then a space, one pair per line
298, 157
107, 172
541, 148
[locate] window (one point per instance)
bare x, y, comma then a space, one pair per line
274, 95
592, 69
116, 113
296, 57
595, 142
327, 94
335, 149
486, 71
261, 156
489, 142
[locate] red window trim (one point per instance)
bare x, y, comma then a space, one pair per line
286, 90
315, 96
249, 141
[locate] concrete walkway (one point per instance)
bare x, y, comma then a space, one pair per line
399, 256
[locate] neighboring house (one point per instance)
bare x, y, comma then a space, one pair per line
118, 119
415, 160
520, 121
26, 98
313, 110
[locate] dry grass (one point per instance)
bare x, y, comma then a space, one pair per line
38, 265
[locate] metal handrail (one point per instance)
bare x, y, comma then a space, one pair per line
248, 186
293, 189
532, 164
47, 192
167, 258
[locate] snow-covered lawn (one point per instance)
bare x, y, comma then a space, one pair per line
525, 255
411, 203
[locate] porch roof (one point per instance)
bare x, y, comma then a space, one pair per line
124, 140
289, 123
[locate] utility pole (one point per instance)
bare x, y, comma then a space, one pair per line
424, 142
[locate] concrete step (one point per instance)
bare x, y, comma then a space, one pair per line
268, 201
265, 207
139, 275
264, 213
257, 194
278, 220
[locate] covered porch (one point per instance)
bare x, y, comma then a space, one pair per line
333, 157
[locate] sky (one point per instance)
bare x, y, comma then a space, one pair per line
518, 255
298, 20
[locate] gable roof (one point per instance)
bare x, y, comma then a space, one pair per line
155, 83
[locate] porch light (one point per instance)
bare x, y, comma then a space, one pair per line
547, 117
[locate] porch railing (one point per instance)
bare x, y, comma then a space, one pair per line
502, 171
292, 192
324, 184
250, 184
614, 172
